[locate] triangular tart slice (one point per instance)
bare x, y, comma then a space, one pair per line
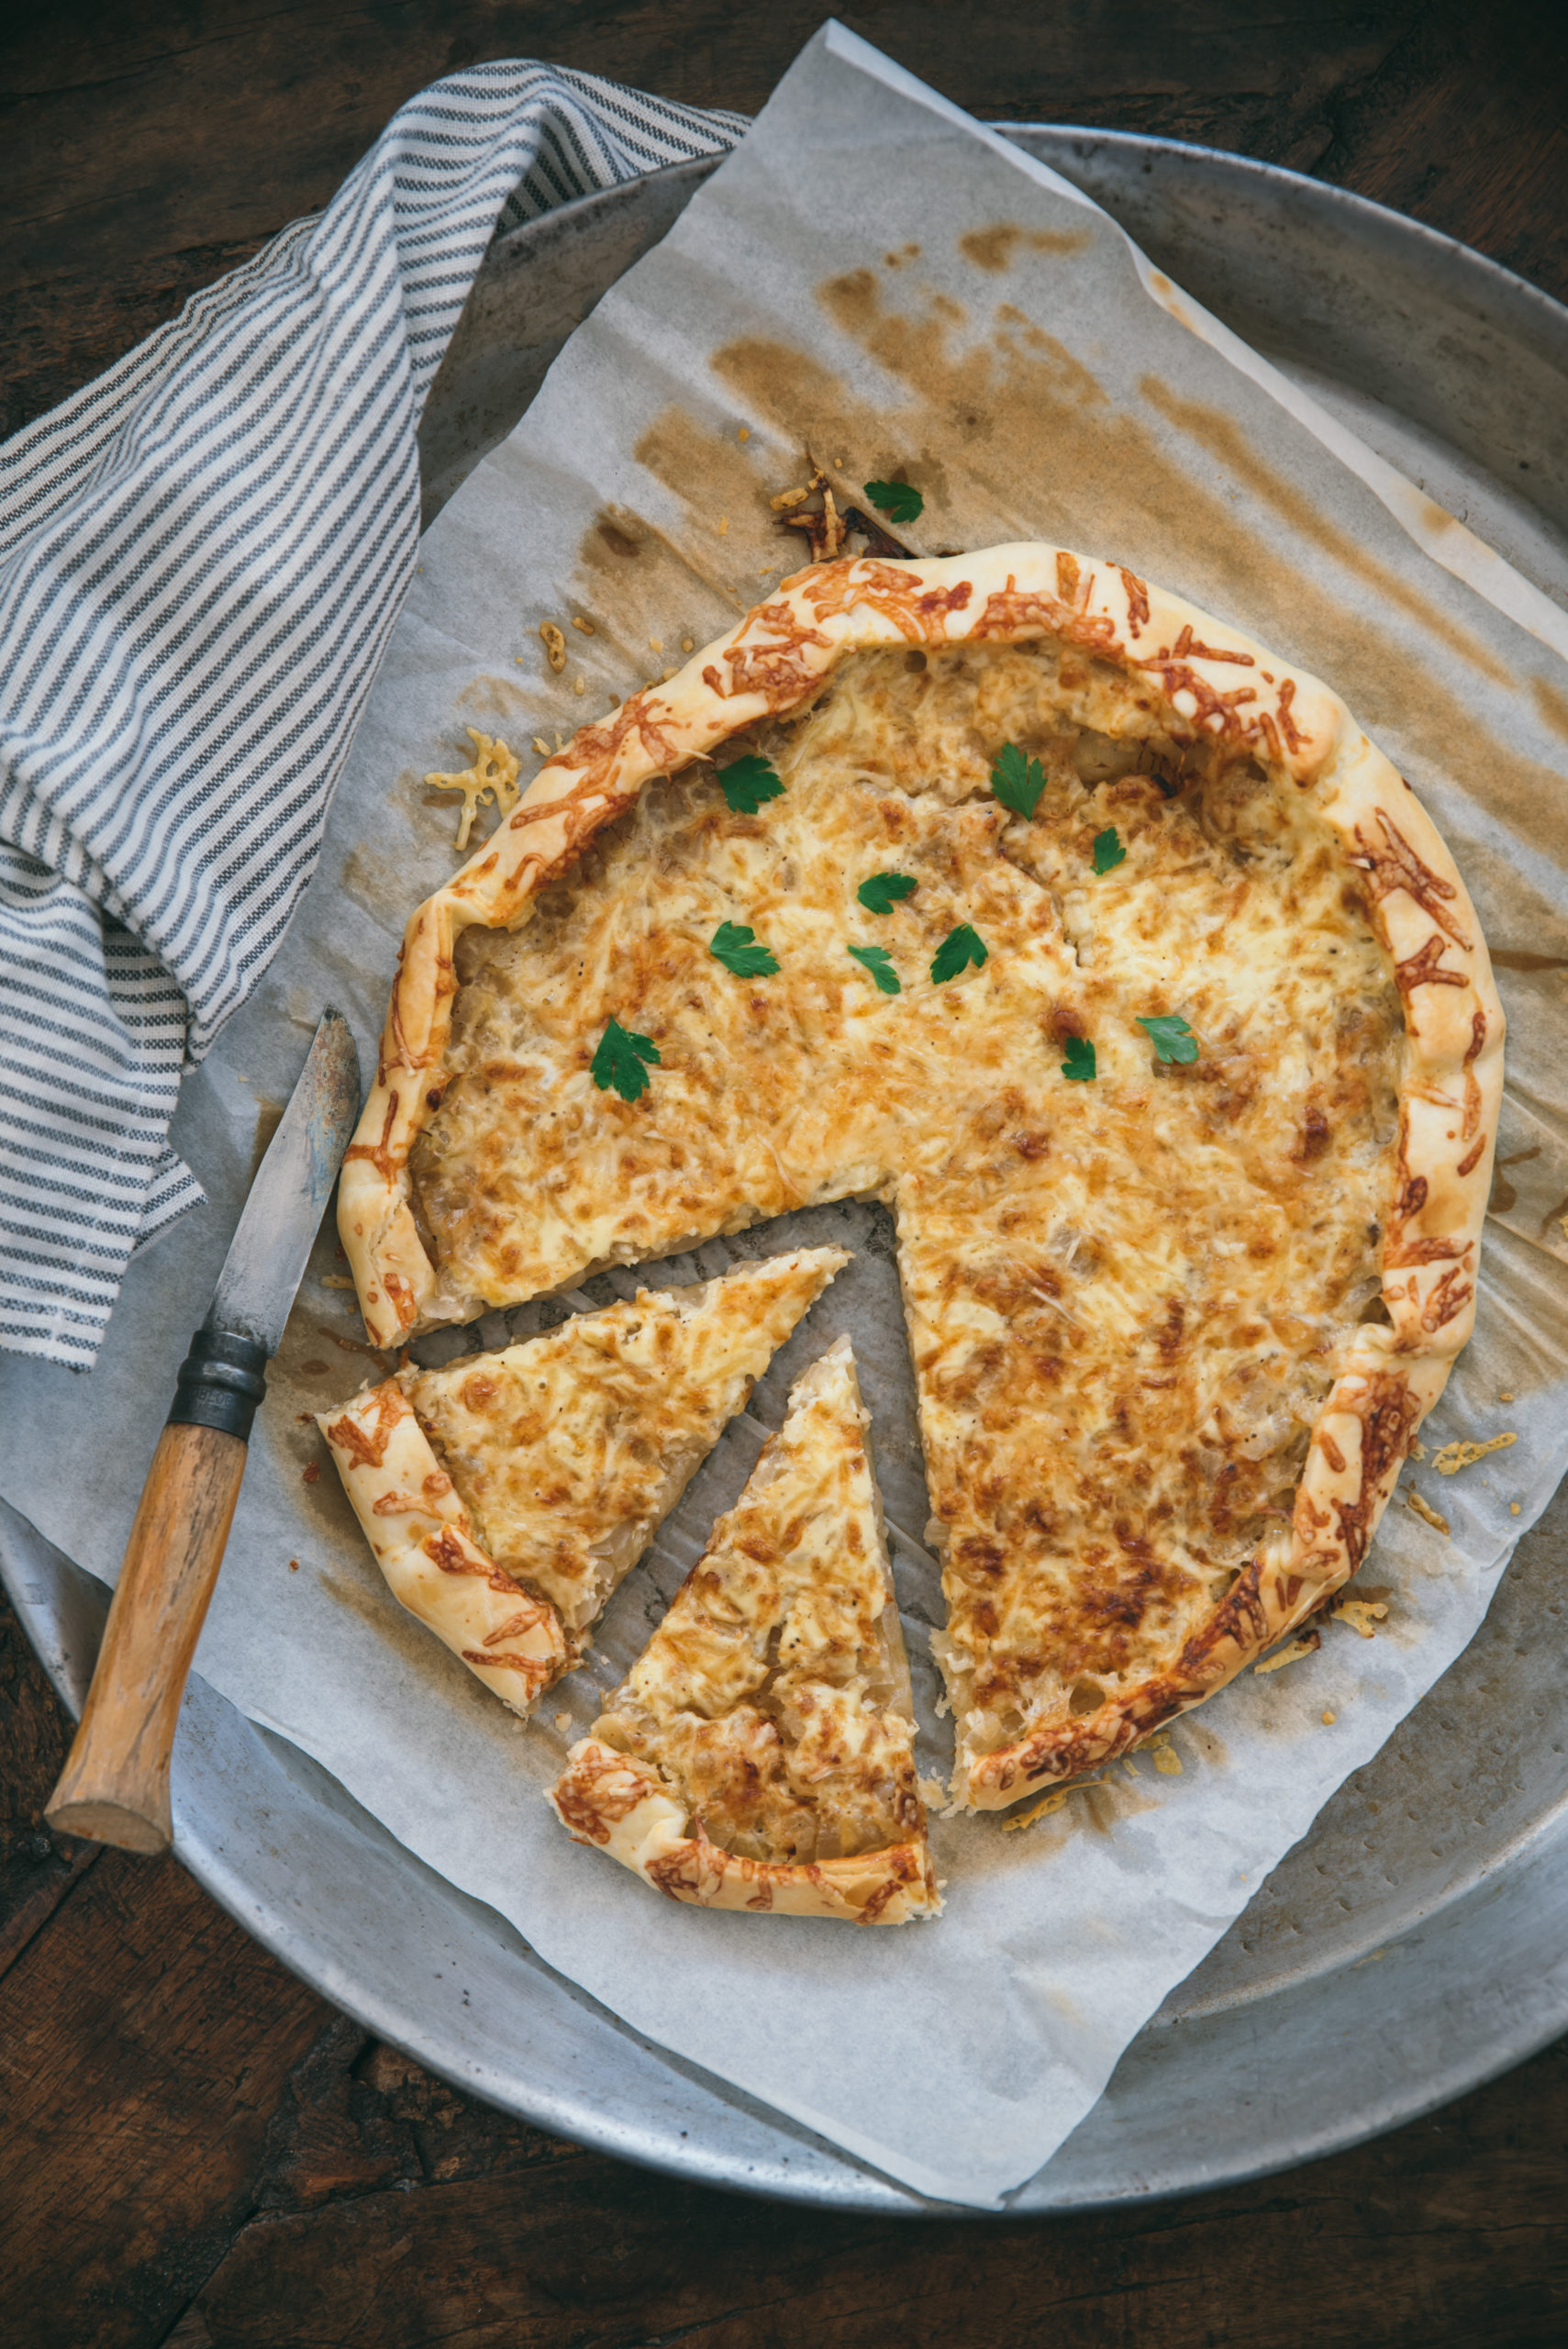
759, 1753
507, 1495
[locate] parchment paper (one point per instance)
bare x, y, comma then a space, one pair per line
875, 276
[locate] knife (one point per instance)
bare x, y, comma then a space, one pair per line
114, 1786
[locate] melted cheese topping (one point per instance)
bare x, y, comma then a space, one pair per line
568, 1451
1126, 1297
773, 1699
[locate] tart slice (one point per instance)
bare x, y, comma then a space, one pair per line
759, 1753
507, 1495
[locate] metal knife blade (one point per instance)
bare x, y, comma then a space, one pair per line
277, 1228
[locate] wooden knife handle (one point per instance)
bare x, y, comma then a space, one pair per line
114, 1786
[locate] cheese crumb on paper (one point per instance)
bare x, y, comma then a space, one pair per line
1425, 1509
554, 645
1167, 1761
1362, 1614
1461, 1454
493, 775
1307, 1644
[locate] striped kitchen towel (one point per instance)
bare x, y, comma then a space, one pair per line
202, 556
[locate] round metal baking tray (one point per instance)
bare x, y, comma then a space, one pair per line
1414, 1943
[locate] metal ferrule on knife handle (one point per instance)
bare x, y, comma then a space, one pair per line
220, 1383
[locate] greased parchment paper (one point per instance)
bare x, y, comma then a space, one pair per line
875, 277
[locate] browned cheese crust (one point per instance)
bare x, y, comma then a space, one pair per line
1175, 1329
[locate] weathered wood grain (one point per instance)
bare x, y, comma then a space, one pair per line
145, 151
195, 2151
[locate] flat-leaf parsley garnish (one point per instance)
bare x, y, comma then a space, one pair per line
1079, 1068
747, 783
879, 962
1172, 1038
883, 891
733, 944
897, 499
1109, 850
618, 1061
957, 949
1017, 782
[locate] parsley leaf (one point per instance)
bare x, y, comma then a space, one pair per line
1079, 1068
879, 962
1109, 850
748, 781
1172, 1038
1017, 782
618, 1061
883, 891
957, 949
732, 944
896, 499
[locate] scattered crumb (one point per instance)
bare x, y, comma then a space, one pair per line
1417, 1449
516, 659
294, 1565
335, 1280
1129, 1766
554, 646
579, 685
1425, 1509
688, 644
723, 524
492, 775
932, 1792
1307, 1646
310, 1474
656, 644
1360, 1614
1506, 1395
1514, 1507
789, 497
1167, 1761
1037, 1810
541, 746
563, 1722
1329, 1717
665, 675
1462, 1454
744, 434
587, 626
840, 465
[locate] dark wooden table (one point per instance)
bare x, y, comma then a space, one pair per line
193, 2149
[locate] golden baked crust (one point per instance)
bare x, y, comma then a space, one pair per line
507, 1495
759, 1753
1158, 1430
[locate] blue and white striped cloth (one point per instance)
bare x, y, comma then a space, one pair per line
202, 556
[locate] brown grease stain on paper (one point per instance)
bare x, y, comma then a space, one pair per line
1224, 440
1035, 449
1552, 706
996, 249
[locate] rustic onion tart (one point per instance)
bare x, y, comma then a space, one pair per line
1108, 950
507, 1495
760, 1753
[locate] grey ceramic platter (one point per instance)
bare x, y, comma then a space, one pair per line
1417, 1940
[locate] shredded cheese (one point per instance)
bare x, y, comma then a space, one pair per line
1425, 1510
1292, 1653
1462, 1454
493, 777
